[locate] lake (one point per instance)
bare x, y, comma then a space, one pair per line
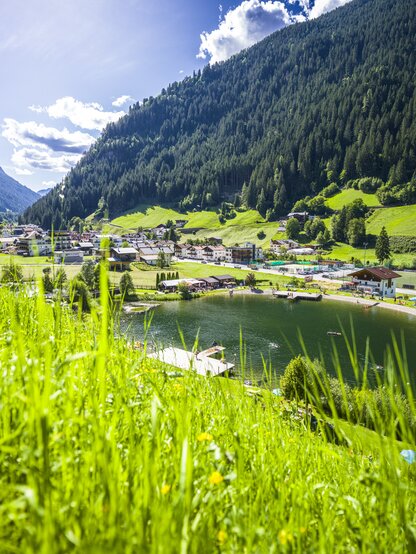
271, 329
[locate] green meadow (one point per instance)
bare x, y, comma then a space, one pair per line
400, 220
151, 216
347, 196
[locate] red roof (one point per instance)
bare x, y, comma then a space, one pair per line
379, 272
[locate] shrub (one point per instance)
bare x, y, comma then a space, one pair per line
79, 293
330, 190
296, 379
12, 273
183, 289
338, 396
250, 280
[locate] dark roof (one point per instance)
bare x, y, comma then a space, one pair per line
209, 280
223, 277
379, 272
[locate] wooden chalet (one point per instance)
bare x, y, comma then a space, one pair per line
376, 280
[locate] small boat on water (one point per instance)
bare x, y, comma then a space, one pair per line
334, 333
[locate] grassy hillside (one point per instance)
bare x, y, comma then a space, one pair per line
400, 220
101, 451
238, 234
346, 252
349, 195
146, 216
151, 216
244, 227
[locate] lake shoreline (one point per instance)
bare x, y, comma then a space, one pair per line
340, 298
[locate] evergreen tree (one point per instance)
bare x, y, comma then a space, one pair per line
383, 246
126, 284
79, 293
161, 259
46, 280
262, 204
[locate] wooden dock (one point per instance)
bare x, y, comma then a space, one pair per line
202, 363
314, 296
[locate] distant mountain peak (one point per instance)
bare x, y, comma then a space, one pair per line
14, 196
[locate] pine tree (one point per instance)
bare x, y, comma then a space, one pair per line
383, 246
126, 284
262, 204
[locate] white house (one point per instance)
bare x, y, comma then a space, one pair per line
377, 280
214, 253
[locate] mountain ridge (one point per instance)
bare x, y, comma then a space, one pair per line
326, 100
14, 196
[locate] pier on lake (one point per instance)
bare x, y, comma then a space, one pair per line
314, 296
203, 363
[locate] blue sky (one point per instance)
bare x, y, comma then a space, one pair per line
71, 66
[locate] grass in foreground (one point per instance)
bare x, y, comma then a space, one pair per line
101, 450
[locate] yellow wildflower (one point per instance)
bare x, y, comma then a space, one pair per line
216, 478
302, 529
165, 489
204, 437
285, 536
222, 537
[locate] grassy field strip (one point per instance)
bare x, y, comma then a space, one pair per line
347, 196
238, 234
151, 216
346, 252
400, 220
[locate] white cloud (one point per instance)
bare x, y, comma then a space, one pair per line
87, 115
36, 109
253, 20
122, 100
242, 27
38, 147
31, 133
323, 6
44, 159
21, 171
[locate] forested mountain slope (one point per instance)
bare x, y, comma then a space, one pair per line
327, 100
14, 197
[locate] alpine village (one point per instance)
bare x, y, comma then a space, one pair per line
208, 286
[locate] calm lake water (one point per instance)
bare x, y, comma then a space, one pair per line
271, 329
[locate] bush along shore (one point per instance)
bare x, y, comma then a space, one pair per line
383, 404
103, 449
